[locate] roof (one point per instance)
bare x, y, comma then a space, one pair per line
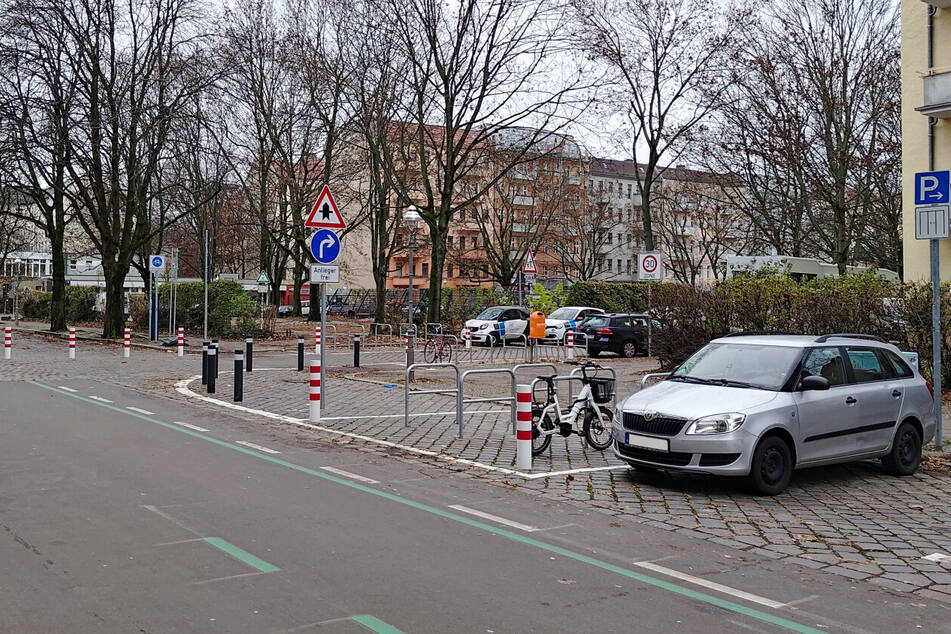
797, 341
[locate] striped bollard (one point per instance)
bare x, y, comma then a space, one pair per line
7, 342
523, 428
317, 342
315, 390
181, 342
126, 342
468, 337
72, 343
571, 344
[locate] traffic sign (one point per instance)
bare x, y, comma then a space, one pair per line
325, 246
264, 279
933, 188
324, 274
529, 265
931, 222
649, 266
156, 263
325, 213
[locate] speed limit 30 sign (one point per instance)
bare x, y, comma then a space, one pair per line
650, 266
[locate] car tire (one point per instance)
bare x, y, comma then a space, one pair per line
629, 349
594, 353
493, 340
772, 466
905, 456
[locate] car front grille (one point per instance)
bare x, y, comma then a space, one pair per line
660, 426
672, 458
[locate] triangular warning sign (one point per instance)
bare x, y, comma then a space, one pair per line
529, 265
325, 214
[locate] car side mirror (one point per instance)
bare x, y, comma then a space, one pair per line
814, 383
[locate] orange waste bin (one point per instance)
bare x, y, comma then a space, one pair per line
536, 325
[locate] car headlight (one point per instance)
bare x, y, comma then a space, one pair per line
717, 424
483, 326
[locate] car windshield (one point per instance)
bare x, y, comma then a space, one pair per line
739, 365
596, 322
490, 314
564, 313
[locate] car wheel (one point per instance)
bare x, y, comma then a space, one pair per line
905, 455
772, 466
593, 353
629, 349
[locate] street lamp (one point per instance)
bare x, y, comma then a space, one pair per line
411, 218
16, 291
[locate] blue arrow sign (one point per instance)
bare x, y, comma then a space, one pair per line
932, 188
325, 246
157, 262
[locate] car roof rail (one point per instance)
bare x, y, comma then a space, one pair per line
848, 335
754, 333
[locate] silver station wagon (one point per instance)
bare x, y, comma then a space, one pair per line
762, 405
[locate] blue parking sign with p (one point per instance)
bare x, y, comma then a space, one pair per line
932, 188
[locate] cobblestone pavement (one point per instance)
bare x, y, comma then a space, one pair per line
851, 520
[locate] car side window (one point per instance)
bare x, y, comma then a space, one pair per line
827, 363
621, 322
640, 321
899, 367
866, 365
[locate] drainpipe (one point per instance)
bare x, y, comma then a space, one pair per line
935, 272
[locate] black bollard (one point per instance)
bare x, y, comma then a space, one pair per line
212, 362
213, 368
249, 347
204, 363
300, 354
356, 351
238, 376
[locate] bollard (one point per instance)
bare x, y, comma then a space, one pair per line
356, 351
238, 376
181, 342
212, 361
315, 390
300, 354
7, 342
126, 342
570, 339
523, 428
249, 348
204, 363
72, 343
317, 342
468, 337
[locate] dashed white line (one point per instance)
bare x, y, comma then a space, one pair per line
711, 585
494, 518
141, 411
68, 389
936, 557
100, 399
352, 476
258, 447
189, 426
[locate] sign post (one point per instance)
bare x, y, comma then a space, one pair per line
529, 268
932, 205
264, 287
650, 268
156, 265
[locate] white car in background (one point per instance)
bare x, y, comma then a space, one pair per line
497, 323
558, 323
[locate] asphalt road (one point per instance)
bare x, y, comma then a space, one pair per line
164, 519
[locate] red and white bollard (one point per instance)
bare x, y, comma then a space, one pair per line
468, 337
126, 342
570, 341
315, 390
7, 342
317, 342
72, 343
523, 428
181, 342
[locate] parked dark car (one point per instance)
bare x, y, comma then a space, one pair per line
622, 333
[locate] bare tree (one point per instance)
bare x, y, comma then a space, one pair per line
579, 239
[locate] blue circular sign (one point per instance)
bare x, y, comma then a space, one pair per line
158, 262
325, 246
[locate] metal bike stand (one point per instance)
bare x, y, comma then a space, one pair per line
511, 399
457, 391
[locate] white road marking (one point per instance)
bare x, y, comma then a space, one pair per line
258, 447
141, 411
68, 389
711, 585
181, 541
548, 474
181, 525
936, 557
100, 399
494, 518
352, 476
217, 579
189, 426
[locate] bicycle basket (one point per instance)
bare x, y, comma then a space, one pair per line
602, 389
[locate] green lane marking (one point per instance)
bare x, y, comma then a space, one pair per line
376, 625
558, 550
241, 555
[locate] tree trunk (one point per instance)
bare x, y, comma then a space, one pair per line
379, 316
114, 318
58, 305
315, 306
437, 261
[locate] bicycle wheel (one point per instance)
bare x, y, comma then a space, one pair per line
541, 441
445, 352
430, 351
597, 433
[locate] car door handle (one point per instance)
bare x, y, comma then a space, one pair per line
850, 401
896, 393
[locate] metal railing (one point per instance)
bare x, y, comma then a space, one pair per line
379, 331
457, 391
432, 328
511, 398
354, 329
407, 329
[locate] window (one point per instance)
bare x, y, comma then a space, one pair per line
619, 239
611, 187
448, 242
72, 265
825, 362
629, 267
866, 366
619, 265
609, 264
899, 367
475, 242
628, 191
399, 243
609, 238
425, 268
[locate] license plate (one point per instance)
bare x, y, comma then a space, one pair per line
603, 339
647, 442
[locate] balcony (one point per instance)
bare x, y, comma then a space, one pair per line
937, 93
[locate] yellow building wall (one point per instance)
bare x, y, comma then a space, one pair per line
914, 65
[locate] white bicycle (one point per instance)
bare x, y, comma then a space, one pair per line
549, 418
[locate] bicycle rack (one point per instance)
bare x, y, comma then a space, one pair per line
653, 375
351, 329
327, 336
432, 328
510, 399
407, 392
379, 331
407, 329
574, 374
